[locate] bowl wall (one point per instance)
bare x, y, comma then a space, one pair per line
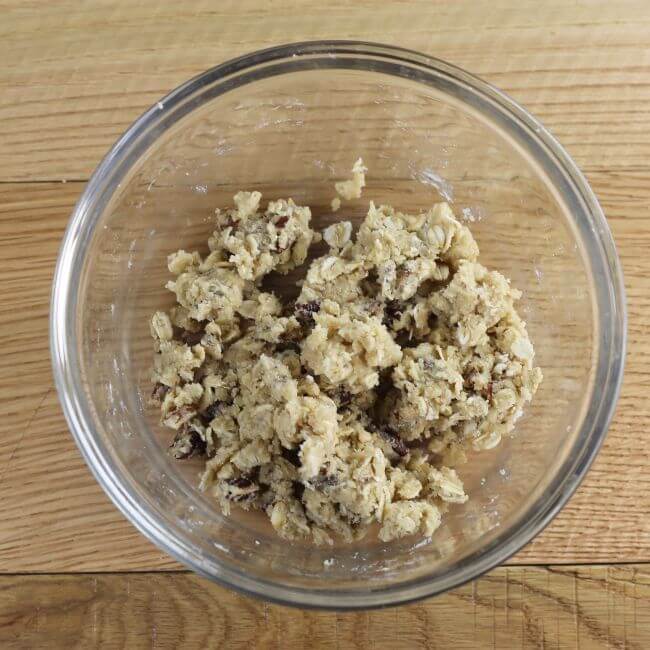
291, 126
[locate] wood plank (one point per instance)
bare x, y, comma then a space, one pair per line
56, 518
581, 67
56, 504
524, 607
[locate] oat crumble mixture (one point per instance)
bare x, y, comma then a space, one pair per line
349, 407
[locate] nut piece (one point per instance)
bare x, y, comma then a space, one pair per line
187, 444
398, 445
305, 312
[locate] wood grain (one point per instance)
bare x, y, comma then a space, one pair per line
75, 75
52, 505
56, 518
520, 607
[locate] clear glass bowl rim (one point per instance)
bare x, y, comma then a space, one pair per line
570, 184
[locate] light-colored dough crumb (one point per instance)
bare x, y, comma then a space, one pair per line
348, 408
335, 204
338, 234
351, 189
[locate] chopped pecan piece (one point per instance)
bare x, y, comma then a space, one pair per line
305, 312
242, 488
292, 455
158, 393
187, 444
393, 439
191, 338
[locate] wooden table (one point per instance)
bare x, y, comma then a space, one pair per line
74, 75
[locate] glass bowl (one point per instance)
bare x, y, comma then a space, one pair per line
289, 121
